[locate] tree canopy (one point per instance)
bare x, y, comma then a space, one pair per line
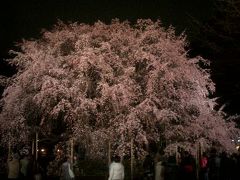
112, 83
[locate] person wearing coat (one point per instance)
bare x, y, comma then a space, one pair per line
116, 169
159, 167
66, 172
13, 167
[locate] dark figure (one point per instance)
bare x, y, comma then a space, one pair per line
38, 172
24, 167
66, 172
238, 161
171, 169
188, 167
234, 167
148, 167
214, 165
13, 166
204, 167
225, 166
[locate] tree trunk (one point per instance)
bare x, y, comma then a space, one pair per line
36, 150
71, 151
9, 149
132, 158
109, 153
33, 147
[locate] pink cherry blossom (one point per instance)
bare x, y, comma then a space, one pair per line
113, 83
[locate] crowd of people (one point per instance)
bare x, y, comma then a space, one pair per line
23, 167
208, 166
18, 166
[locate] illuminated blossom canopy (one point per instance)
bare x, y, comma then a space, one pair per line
113, 83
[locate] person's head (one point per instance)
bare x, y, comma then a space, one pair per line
224, 154
185, 154
65, 159
148, 156
213, 151
204, 154
25, 152
158, 158
171, 159
10, 158
116, 159
15, 156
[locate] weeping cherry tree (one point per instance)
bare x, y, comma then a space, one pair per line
112, 84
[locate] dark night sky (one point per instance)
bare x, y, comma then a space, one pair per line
25, 19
